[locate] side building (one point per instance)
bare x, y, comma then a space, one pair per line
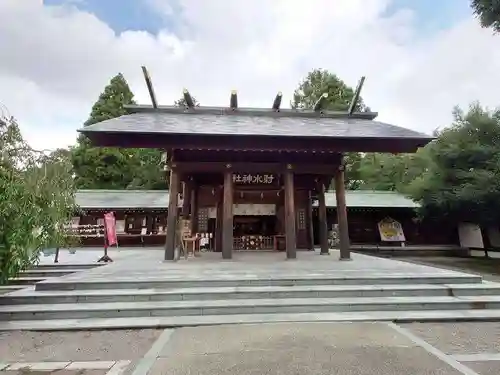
142, 215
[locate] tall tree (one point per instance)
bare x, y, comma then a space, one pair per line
488, 12
115, 168
462, 182
310, 89
392, 172
36, 201
318, 82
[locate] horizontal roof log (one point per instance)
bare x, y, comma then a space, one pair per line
253, 112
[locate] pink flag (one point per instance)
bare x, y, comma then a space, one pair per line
110, 225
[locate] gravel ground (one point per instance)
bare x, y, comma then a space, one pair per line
459, 338
485, 368
24, 346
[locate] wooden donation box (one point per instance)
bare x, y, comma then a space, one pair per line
188, 241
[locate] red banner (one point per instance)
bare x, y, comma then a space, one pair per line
110, 225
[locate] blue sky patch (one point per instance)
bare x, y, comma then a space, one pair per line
432, 15
121, 15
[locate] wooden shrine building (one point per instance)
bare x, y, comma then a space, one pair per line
254, 159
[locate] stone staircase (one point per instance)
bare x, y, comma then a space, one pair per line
71, 303
41, 272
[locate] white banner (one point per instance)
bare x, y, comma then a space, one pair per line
470, 235
391, 230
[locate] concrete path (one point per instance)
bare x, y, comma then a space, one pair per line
302, 348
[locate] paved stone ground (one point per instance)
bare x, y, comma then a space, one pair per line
311, 348
305, 348
286, 348
75, 346
488, 268
147, 264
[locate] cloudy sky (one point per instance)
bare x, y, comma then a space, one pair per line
420, 57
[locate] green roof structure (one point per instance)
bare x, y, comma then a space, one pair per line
158, 199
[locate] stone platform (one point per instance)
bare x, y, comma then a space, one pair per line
139, 290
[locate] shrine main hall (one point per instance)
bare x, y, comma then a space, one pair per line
254, 171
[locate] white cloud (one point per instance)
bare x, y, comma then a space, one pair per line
55, 61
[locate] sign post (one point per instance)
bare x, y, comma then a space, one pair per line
110, 237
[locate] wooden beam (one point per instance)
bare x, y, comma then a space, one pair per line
277, 101
233, 100
227, 216
241, 167
290, 230
149, 84
355, 98
320, 102
323, 225
170, 241
267, 112
188, 99
345, 251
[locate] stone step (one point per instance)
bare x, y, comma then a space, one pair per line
241, 280
193, 321
10, 288
49, 272
79, 266
25, 280
244, 306
251, 292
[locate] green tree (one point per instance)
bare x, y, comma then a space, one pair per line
310, 89
379, 171
109, 167
318, 82
36, 201
462, 181
488, 12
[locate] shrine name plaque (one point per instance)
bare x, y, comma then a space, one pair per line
255, 178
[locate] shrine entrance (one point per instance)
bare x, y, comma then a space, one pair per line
220, 157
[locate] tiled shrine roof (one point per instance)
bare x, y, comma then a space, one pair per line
198, 122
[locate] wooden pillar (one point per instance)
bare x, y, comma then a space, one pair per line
345, 251
218, 224
194, 209
227, 216
186, 199
172, 216
310, 221
323, 225
290, 230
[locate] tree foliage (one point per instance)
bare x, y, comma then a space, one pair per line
318, 82
462, 179
310, 89
36, 200
488, 12
111, 167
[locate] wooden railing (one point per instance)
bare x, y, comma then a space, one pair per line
253, 243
